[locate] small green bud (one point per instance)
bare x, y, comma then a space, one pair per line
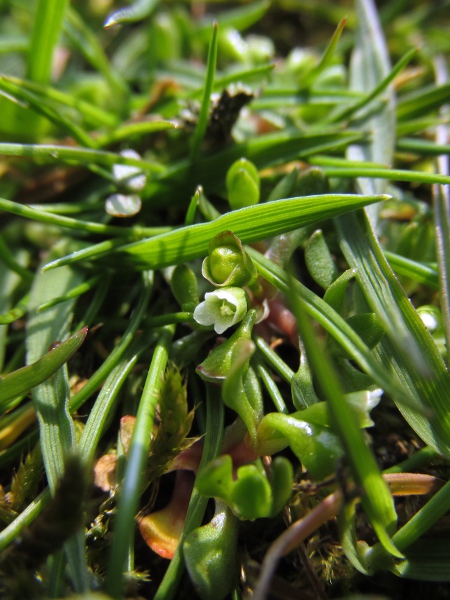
228, 264
242, 184
232, 45
185, 287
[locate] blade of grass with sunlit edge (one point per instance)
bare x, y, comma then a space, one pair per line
441, 197
410, 353
51, 398
250, 224
375, 497
42, 216
369, 66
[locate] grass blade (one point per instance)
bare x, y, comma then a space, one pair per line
411, 352
202, 122
131, 486
249, 224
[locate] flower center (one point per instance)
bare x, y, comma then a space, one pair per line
227, 309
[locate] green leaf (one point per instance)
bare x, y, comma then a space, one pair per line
176, 421
202, 122
407, 350
376, 498
47, 28
218, 363
250, 224
317, 447
369, 66
20, 381
210, 554
318, 259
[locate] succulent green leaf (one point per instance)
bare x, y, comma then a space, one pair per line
319, 260
217, 365
317, 447
335, 293
233, 392
243, 184
210, 554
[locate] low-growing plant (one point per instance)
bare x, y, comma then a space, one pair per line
224, 301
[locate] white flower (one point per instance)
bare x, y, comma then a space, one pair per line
222, 308
124, 173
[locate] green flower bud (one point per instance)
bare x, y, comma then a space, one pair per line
242, 183
232, 46
185, 287
228, 264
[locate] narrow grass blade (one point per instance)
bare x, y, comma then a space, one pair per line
441, 195
20, 381
118, 351
202, 122
91, 114
249, 224
105, 404
423, 101
376, 498
382, 173
414, 529
73, 293
379, 88
51, 398
327, 56
47, 28
412, 269
79, 156
369, 66
135, 130
131, 486
334, 324
89, 45
42, 107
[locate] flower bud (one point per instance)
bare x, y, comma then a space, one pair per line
242, 183
228, 263
222, 308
